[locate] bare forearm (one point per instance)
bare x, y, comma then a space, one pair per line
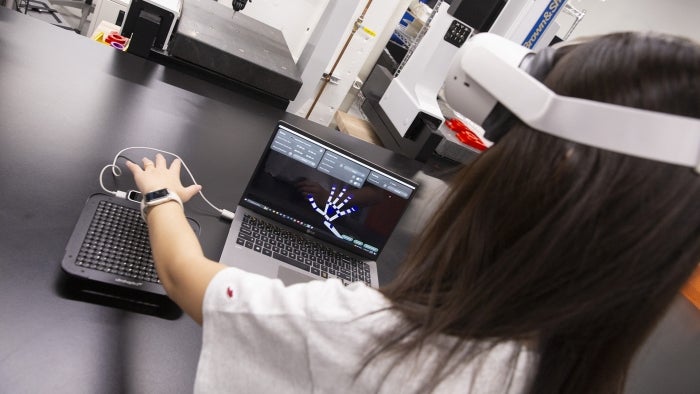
173, 242
182, 267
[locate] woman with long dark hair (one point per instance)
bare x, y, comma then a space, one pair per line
543, 271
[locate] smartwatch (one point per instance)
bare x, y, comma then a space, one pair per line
156, 198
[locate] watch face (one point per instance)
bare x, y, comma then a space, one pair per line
158, 194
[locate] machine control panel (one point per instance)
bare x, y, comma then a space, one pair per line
458, 33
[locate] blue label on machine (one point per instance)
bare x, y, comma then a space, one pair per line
548, 15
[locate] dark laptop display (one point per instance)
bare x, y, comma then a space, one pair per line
327, 192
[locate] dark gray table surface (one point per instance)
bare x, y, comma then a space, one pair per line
67, 105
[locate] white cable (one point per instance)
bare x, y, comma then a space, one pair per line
116, 171
117, 193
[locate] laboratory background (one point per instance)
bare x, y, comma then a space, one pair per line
82, 79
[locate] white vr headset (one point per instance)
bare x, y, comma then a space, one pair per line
487, 72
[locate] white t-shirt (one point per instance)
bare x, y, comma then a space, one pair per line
262, 337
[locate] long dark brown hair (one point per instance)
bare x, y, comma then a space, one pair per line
574, 249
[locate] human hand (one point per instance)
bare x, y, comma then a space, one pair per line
156, 176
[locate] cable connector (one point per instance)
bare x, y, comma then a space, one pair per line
226, 214
120, 194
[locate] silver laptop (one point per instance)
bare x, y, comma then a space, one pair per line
312, 210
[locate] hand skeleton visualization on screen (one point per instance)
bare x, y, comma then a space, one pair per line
333, 208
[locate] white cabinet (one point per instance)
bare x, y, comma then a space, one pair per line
108, 10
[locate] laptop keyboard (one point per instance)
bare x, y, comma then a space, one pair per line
117, 243
294, 249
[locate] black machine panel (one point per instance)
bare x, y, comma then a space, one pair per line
479, 14
213, 37
458, 33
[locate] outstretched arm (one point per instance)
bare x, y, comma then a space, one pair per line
182, 267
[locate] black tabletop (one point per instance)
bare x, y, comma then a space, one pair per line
67, 106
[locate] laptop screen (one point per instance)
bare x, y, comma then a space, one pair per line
329, 193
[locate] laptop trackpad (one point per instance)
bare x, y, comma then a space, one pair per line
290, 277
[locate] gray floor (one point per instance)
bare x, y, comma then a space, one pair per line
669, 361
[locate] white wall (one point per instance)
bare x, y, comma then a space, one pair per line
362, 51
678, 17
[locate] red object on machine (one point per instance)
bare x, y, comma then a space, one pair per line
465, 134
691, 290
